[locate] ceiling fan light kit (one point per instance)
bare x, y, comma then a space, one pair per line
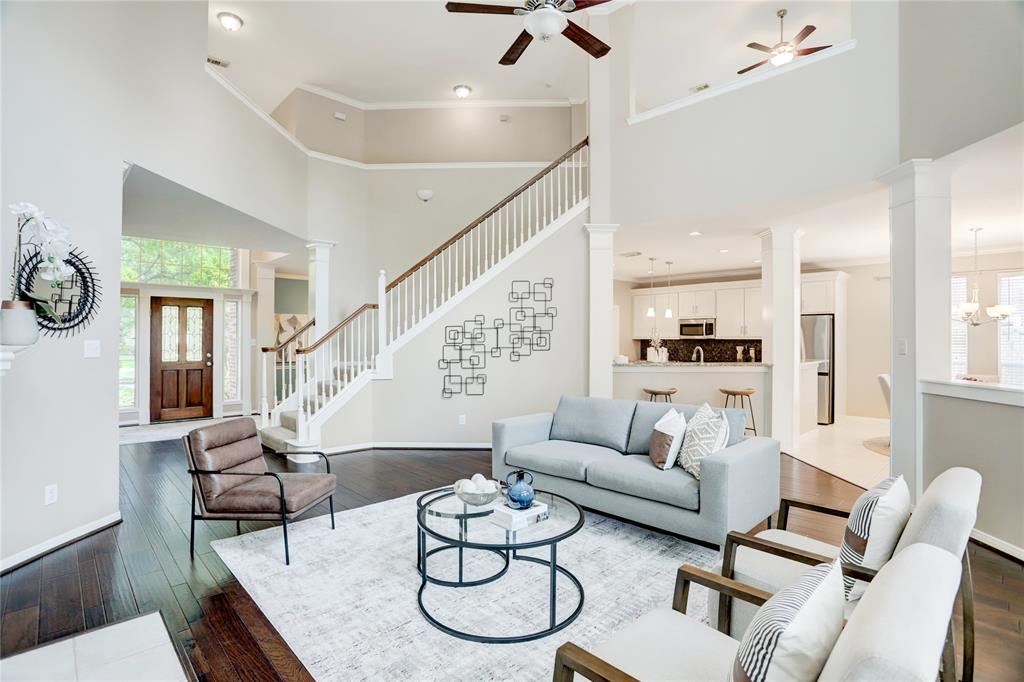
784, 51
542, 19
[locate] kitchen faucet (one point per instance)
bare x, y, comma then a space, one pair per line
693, 358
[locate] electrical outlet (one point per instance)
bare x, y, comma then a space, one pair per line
50, 494
462, 420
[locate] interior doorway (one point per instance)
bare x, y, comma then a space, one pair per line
180, 358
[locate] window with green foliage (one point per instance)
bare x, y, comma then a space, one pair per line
126, 353
155, 261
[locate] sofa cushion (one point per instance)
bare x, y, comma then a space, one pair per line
262, 494
647, 413
598, 421
561, 458
638, 476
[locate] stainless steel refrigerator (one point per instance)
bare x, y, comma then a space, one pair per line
818, 343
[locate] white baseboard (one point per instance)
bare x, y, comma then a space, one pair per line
996, 543
412, 445
55, 542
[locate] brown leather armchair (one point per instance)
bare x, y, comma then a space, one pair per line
231, 482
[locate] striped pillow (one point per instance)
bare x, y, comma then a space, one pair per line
792, 634
876, 523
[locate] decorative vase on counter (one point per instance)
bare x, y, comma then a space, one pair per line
652, 354
18, 326
663, 354
520, 490
739, 353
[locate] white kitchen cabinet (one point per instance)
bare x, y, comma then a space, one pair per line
668, 328
697, 304
729, 317
752, 312
817, 297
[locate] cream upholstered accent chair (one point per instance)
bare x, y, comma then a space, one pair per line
885, 383
897, 633
771, 559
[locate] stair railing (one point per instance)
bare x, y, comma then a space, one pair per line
282, 361
329, 364
473, 250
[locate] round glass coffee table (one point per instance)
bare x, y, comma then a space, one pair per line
464, 529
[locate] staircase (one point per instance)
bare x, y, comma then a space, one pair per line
312, 379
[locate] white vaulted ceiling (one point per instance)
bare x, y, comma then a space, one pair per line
386, 51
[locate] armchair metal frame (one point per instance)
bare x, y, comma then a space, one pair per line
571, 659
736, 539
238, 517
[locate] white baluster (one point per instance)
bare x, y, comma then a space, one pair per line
300, 418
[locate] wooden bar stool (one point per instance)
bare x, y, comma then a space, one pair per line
741, 394
665, 393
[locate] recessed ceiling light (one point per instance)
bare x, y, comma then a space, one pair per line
462, 91
630, 254
695, 233
723, 251
757, 260
230, 22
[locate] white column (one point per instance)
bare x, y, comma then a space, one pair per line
601, 351
780, 345
262, 275
599, 105
919, 262
320, 285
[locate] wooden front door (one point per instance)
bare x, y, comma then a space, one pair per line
180, 358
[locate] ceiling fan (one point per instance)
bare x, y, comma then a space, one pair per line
542, 20
784, 51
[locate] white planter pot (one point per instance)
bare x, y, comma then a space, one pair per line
652, 355
18, 326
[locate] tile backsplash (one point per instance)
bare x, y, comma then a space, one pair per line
715, 350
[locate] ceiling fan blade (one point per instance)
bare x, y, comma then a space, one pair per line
516, 50
584, 4
752, 66
478, 8
759, 46
586, 40
811, 50
802, 35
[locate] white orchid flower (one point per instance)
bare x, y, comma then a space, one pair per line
45, 230
23, 208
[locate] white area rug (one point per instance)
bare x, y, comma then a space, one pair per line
347, 604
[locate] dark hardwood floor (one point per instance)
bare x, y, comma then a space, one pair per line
143, 564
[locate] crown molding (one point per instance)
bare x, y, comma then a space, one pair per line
444, 165
436, 104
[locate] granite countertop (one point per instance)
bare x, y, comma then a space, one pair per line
676, 363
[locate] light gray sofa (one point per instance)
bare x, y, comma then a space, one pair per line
594, 451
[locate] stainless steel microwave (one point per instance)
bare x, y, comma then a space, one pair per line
697, 329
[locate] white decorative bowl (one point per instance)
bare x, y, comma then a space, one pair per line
477, 499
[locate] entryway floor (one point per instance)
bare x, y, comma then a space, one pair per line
151, 433
839, 450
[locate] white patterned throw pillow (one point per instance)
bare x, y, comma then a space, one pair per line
875, 525
666, 439
706, 432
792, 634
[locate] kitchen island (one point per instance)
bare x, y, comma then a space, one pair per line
698, 383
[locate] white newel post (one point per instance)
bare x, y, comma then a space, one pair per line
919, 262
385, 358
601, 352
301, 422
264, 402
320, 285
780, 312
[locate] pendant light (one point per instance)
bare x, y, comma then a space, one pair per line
650, 308
668, 310
968, 310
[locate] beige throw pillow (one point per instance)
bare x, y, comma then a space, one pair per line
666, 439
707, 432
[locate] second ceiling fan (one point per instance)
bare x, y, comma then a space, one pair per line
784, 51
542, 20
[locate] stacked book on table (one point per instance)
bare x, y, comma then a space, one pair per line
518, 519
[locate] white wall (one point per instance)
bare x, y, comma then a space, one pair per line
85, 89
623, 298
950, 98
868, 338
462, 133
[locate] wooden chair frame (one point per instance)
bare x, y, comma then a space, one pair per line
571, 659
736, 539
238, 518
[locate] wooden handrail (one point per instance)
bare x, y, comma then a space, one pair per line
274, 349
334, 330
497, 207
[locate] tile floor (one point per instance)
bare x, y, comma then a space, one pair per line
136, 649
150, 433
839, 450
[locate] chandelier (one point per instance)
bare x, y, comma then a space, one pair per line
970, 311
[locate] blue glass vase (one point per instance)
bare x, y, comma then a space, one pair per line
520, 490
